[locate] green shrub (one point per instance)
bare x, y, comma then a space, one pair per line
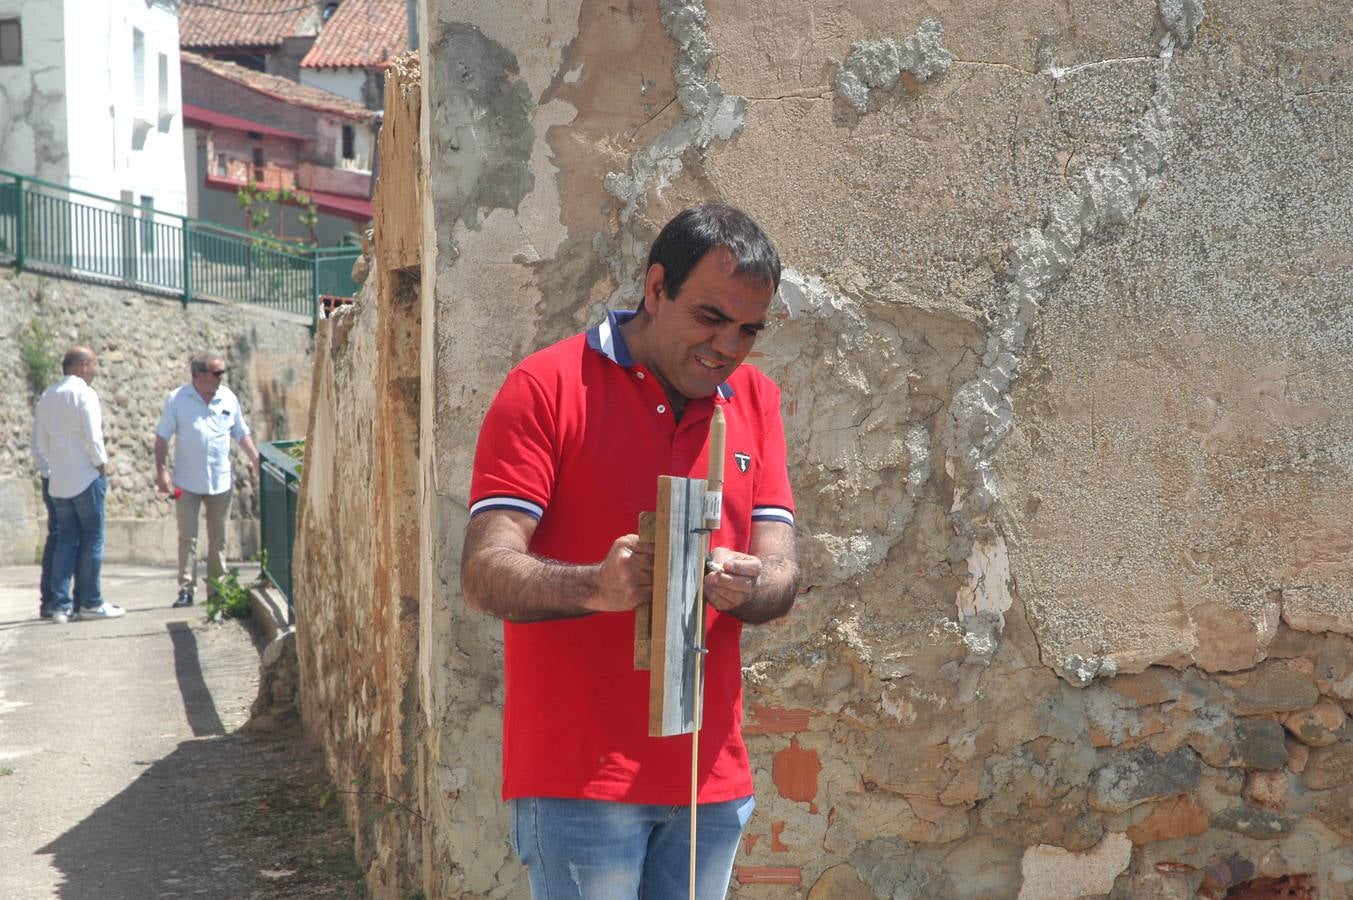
39, 356
227, 599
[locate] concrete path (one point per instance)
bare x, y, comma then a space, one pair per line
120, 773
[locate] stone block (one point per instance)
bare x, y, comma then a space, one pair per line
1319, 726
1275, 688
1051, 873
840, 882
1177, 817
1141, 775
1251, 822
1259, 744
1267, 789
20, 529
1330, 766
1335, 811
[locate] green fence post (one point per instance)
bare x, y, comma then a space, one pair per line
187, 263
21, 238
314, 293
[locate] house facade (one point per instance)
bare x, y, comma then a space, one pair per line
90, 97
249, 130
354, 48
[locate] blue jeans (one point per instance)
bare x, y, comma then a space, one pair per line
596, 850
79, 547
48, 551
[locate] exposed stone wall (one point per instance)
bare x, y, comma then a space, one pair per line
1063, 349
143, 343
356, 555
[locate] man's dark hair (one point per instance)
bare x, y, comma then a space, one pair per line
693, 232
74, 358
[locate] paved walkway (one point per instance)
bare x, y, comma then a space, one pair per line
121, 772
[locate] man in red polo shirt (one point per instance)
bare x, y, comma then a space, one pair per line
568, 456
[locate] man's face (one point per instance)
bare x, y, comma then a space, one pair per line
207, 382
706, 331
87, 369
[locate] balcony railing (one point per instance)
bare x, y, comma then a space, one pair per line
63, 231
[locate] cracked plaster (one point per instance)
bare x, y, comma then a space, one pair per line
982, 413
879, 65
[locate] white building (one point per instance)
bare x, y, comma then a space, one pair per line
89, 97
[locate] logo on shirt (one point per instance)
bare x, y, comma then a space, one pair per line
744, 461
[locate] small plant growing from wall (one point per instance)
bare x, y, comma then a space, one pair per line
229, 599
39, 356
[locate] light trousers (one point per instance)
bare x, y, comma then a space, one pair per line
187, 507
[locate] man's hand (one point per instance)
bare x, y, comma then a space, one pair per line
625, 579
758, 586
162, 483
500, 576
733, 578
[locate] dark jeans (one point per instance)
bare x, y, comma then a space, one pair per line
79, 547
48, 551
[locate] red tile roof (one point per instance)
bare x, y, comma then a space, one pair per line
360, 34
245, 23
281, 88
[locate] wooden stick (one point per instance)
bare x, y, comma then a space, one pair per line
643, 614
712, 518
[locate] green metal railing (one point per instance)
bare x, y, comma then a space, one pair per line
279, 489
60, 230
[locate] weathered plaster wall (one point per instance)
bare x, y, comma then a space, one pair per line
33, 104
1062, 342
143, 343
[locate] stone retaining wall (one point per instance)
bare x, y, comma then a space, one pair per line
143, 343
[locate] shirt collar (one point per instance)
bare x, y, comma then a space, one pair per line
607, 340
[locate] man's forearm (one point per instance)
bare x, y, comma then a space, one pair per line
161, 454
776, 588
518, 587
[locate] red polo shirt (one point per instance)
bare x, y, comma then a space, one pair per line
577, 437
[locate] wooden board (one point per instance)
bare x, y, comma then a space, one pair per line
678, 567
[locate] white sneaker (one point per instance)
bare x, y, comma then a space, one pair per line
103, 611
60, 618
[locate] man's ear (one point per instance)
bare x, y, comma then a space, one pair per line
653, 289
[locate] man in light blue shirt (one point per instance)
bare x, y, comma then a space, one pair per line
202, 417
68, 438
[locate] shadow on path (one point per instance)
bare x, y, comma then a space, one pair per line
198, 705
237, 816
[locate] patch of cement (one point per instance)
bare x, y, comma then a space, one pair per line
485, 123
982, 412
710, 114
879, 64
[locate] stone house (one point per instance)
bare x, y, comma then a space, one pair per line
247, 127
354, 48
89, 97
341, 46
1063, 340
263, 35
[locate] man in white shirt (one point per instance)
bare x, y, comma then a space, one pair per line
68, 436
202, 417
